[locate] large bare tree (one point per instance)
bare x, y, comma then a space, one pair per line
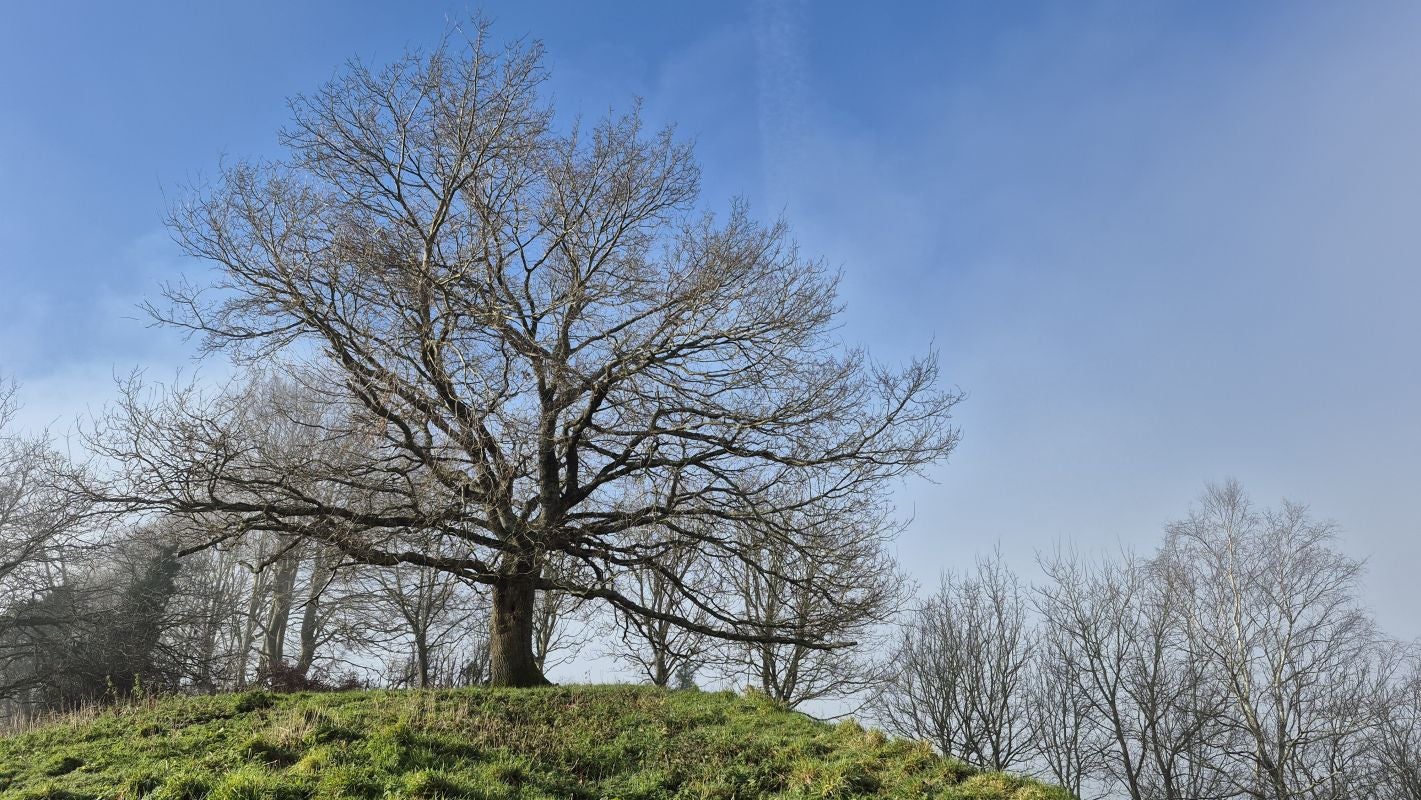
538, 346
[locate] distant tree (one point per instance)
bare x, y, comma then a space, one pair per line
130, 633
431, 611
685, 677
832, 579
563, 623
959, 675
40, 529
207, 618
98, 635
1155, 706
1273, 615
655, 647
1067, 738
1397, 744
528, 344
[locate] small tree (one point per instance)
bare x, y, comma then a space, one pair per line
536, 346
959, 675
665, 653
832, 578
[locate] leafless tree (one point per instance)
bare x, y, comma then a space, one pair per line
1397, 743
41, 529
284, 567
227, 625
654, 647
433, 610
327, 611
535, 345
1066, 738
820, 584
1150, 699
1272, 612
960, 670
563, 623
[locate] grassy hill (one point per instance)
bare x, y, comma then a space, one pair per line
562, 742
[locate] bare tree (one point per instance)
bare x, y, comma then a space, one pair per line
653, 646
1066, 737
1273, 613
284, 567
819, 584
256, 606
322, 610
40, 530
433, 610
1151, 700
209, 608
563, 623
960, 670
537, 347
1397, 743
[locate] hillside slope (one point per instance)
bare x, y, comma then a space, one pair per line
562, 742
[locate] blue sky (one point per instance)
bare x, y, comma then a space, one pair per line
1157, 244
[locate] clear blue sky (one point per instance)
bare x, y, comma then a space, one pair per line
1158, 244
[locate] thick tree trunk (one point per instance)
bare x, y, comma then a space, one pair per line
511, 660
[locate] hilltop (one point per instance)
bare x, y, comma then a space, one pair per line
621, 742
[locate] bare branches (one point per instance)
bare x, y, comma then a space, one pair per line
1271, 611
527, 342
42, 530
1236, 662
961, 671
814, 585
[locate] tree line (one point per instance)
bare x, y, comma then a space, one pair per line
1236, 661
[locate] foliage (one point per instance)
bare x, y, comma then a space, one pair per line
568, 742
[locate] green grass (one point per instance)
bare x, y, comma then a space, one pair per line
625, 742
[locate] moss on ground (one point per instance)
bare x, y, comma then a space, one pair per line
623, 742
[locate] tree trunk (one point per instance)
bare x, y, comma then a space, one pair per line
661, 668
321, 571
421, 658
511, 661
249, 623
283, 596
